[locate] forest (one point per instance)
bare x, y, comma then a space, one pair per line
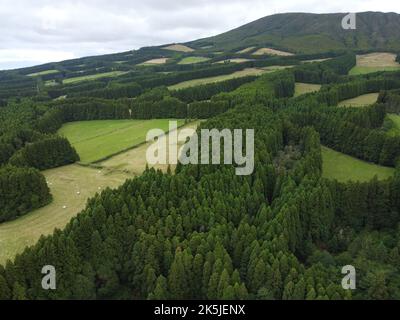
202, 232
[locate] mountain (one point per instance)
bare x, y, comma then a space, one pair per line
308, 33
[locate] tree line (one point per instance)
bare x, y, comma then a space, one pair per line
21, 190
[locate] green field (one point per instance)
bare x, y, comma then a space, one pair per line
364, 70
191, 60
303, 88
360, 101
344, 168
94, 76
395, 122
65, 183
42, 73
237, 74
134, 160
96, 140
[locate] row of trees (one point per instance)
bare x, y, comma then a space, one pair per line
21, 190
327, 71
207, 91
391, 100
53, 151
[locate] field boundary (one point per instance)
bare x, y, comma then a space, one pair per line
90, 164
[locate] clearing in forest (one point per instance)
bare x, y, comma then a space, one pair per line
234, 60
237, 74
374, 62
303, 88
191, 60
134, 160
70, 186
342, 167
360, 101
42, 73
246, 50
98, 139
152, 62
94, 76
272, 52
315, 60
178, 47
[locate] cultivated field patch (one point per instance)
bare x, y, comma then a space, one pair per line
134, 160
246, 50
342, 167
315, 60
191, 60
276, 68
98, 139
374, 62
42, 73
303, 88
70, 186
154, 62
94, 76
272, 52
237, 74
234, 60
179, 47
360, 101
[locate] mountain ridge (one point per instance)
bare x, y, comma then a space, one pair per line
303, 32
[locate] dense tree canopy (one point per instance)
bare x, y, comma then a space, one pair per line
203, 232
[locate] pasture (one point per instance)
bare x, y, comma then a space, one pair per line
374, 62
43, 73
94, 77
234, 60
179, 48
246, 50
360, 101
271, 52
96, 140
192, 60
342, 167
134, 160
237, 74
303, 88
70, 186
154, 62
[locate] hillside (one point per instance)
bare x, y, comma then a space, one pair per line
306, 33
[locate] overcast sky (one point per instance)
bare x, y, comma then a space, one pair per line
39, 31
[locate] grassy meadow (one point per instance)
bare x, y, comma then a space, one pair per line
303, 88
237, 74
70, 186
93, 77
192, 60
342, 167
134, 160
360, 101
96, 140
43, 73
374, 62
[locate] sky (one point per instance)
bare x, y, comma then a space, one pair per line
40, 31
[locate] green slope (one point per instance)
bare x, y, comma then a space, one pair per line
306, 32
